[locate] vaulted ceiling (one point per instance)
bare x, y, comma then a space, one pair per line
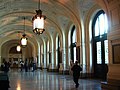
60, 14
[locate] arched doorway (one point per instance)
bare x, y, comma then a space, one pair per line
100, 44
15, 57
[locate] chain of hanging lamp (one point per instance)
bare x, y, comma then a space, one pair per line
24, 27
24, 38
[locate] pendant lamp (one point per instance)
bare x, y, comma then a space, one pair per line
18, 48
24, 38
38, 21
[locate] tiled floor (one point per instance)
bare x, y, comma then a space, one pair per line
43, 80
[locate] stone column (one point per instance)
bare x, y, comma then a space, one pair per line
45, 56
39, 63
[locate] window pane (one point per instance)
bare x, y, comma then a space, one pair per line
106, 23
74, 54
74, 36
102, 24
106, 51
99, 61
48, 47
96, 28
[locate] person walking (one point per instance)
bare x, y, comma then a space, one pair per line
21, 65
71, 65
26, 65
76, 73
6, 66
34, 64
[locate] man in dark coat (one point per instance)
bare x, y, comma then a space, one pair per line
76, 73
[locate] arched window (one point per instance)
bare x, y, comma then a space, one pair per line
58, 56
48, 53
42, 54
100, 43
73, 44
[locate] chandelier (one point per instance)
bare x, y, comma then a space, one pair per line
24, 38
38, 21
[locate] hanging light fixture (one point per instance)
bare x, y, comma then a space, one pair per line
18, 46
38, 21
24, 38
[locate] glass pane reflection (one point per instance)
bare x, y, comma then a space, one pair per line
99, 61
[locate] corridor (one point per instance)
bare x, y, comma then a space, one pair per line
43, 80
